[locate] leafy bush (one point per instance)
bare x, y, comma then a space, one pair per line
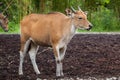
105, 20
14, 27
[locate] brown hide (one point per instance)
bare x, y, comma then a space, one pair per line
44, 29
53, 29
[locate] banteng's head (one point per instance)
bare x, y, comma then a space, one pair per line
79, 18
4, 22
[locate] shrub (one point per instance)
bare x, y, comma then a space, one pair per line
105, 20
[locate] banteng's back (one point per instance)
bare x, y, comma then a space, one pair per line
42, 27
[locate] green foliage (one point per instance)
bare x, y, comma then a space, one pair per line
12, 10
105, 20
14, 27
102, 1
103, 14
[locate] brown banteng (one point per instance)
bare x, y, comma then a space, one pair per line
4, 22
53, 29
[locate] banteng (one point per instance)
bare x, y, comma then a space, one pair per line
4, 22
53, 29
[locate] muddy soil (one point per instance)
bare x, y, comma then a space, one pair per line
88, 55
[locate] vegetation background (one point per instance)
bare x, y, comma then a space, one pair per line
103, 14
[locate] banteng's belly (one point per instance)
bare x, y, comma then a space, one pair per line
42, 41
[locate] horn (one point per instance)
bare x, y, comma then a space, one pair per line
73, 9
79, 8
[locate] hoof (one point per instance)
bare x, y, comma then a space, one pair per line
38, 72
60, 75
20, 74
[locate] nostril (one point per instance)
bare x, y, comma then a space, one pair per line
90, 26
6, 30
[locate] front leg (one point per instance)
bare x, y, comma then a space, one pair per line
62, 52
59, 68
59, 55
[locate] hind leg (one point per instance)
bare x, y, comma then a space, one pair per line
32, 53
22, 55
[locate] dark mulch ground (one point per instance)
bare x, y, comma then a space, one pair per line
88, 55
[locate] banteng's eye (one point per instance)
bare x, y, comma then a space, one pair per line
80, 18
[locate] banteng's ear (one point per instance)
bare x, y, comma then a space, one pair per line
68, 12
